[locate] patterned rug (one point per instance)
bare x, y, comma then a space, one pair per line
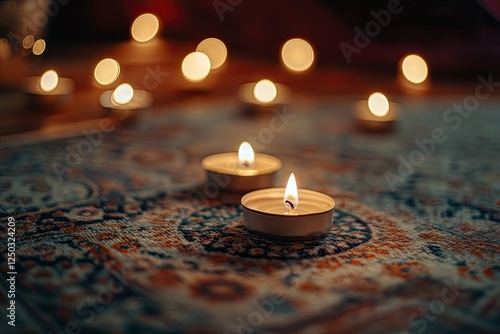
116, 231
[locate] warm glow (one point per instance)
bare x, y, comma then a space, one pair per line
378, 104
4, 48
122, 94
414, 69
145, 27
291, 198
39, 47
107, 71
28, 41
265, 91
297, 54
49, 80
215, 50
246, 156
196, 66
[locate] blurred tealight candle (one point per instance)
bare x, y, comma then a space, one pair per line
265, 91
413, 73
297, 55
241, 171
125, 101
48, 90
376, 114
263, 95
216, 51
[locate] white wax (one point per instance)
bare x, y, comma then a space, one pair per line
271, 201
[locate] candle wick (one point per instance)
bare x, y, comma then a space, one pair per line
291, 204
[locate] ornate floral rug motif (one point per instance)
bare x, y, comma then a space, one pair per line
127, 243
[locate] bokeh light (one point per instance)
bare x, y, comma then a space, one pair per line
145, 27
28, 41
123, 94
265, 91
4, 49
414, 69
297, 55
39, 47
107, 71
378, 104
48, 82
196, 66
216, 51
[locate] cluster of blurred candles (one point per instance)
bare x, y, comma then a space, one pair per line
273, 212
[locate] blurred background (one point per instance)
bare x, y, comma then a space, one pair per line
459, 40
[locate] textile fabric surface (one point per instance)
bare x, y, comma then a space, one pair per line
116, 231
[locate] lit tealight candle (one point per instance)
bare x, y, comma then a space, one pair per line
241, 171
377, 114
263, 95
48, 90
297, 55
275, 212
124, 99
413, 73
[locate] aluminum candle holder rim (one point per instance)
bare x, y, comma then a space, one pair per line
263, 214
282, 190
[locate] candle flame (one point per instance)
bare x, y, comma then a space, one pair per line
265, 91
378, 104
297, 55
123, 94
291, 198
48, 82
246, 156
196, 66
414, 69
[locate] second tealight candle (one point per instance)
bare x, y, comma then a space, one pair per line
241, 171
